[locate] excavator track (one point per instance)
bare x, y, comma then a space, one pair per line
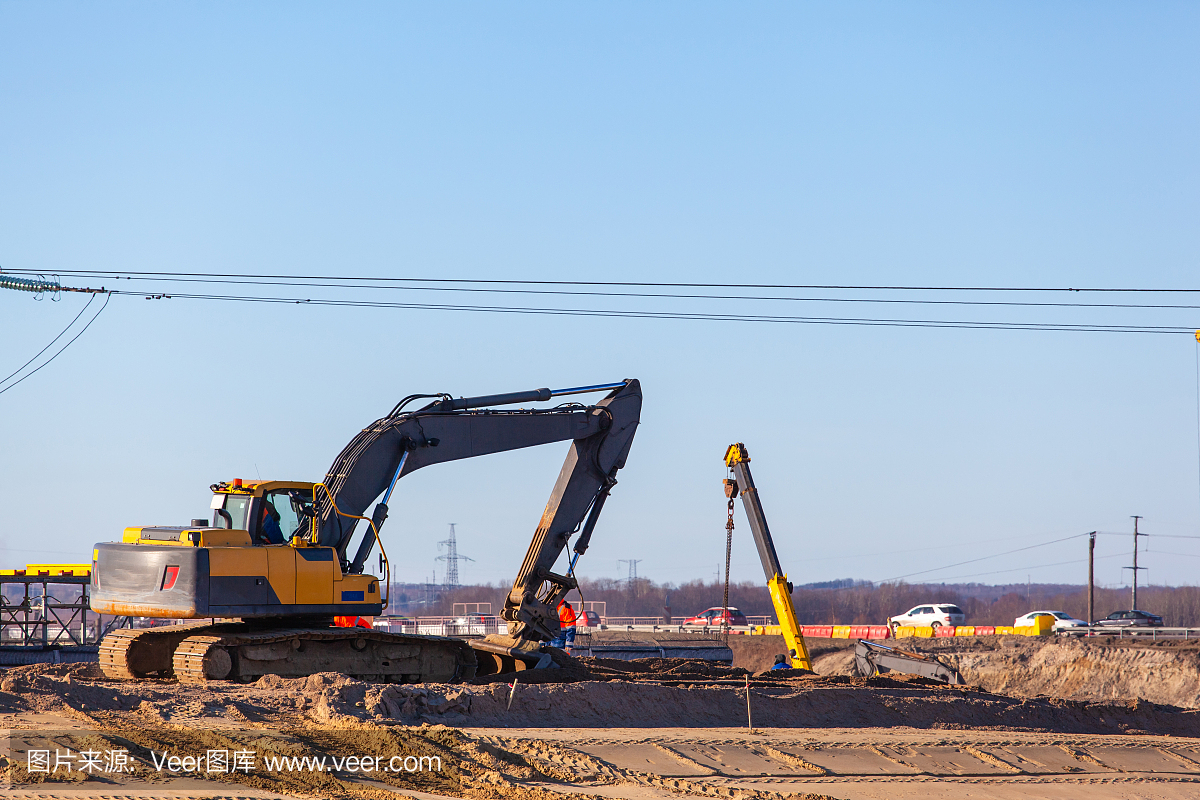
133, 653
246, 655
202, 652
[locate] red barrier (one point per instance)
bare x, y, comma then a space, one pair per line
985, 630
860, 631
944, 630
878, 632
818, 631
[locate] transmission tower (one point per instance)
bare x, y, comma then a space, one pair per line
451, 558
632, 562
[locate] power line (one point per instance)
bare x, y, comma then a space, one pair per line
1156, 536
374, 284
985, 558
52, 341
693, 285
1027, 567
63, 348
695, 316
926, 549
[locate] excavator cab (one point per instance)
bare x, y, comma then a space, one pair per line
272, 512
257, 560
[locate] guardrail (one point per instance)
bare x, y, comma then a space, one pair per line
1151, 633
621, 622
33, 631
484, 625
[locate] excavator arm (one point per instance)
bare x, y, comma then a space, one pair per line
449, 429
738, 461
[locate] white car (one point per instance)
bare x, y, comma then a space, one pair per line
934, 615
1062, 620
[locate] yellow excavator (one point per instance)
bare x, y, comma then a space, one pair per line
272, 569
742, 483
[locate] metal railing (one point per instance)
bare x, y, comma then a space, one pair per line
1135, 632
471, 625
484, 625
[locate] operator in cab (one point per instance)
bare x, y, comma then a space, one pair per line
268, 528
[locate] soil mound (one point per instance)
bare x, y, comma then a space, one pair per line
1078, 669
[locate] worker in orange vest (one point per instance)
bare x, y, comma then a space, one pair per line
566, 627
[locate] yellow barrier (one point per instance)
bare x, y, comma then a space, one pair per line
1044, 627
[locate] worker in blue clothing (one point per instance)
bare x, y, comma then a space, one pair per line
781, 661
269, 528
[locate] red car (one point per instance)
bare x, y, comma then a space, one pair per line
714, 618
587, 619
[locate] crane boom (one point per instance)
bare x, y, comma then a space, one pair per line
738, 460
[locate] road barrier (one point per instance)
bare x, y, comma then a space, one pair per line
828, 631
1045, 627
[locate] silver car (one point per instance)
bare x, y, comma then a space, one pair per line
1062, 620
934, 615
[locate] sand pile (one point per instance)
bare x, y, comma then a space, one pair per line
1072, 669
1076, 668
667, 693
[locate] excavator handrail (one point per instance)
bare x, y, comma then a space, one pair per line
384, 594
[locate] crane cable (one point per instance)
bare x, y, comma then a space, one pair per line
728, 551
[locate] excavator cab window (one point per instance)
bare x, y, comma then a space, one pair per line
291, 506
231, 513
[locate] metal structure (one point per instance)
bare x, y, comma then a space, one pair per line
742, 483
42, 626
632, 562
451, 558
289, 586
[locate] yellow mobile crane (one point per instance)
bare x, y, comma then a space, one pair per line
738, 461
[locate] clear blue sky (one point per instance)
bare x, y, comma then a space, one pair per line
1027, 144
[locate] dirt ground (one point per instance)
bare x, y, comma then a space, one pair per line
1098, 670
1042, 719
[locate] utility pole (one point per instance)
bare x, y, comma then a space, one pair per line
1092, 576
1135, 566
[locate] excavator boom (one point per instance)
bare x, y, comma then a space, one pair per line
450, 429
738, 461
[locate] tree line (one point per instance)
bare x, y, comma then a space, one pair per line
857, 604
